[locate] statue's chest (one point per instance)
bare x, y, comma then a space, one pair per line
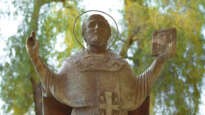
99, 63
102, 73
104, 89
101, 81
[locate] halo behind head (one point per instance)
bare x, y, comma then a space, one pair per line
91, 17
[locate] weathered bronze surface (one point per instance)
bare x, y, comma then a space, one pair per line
95, 81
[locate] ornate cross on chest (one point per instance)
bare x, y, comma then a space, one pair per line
108, 106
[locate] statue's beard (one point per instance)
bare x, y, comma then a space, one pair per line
97, 43
96, 40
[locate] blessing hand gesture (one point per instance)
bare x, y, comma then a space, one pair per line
32, 43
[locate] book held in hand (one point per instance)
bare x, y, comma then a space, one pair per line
162, 39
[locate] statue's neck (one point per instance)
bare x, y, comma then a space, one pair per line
97, 49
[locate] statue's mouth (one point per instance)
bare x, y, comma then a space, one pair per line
96, 33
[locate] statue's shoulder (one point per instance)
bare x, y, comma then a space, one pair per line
70, 62
121, 62
86, 61
75, 57
115, 56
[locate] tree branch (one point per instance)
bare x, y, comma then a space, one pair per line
129, 41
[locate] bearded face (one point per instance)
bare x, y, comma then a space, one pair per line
96, 31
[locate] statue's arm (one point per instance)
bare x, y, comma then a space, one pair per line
47, 76
146, 80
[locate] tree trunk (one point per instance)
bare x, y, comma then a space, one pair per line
37, 97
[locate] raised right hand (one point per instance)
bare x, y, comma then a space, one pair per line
32, 43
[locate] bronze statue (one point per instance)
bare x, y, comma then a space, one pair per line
95, 81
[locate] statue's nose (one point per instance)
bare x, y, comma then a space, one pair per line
96, 26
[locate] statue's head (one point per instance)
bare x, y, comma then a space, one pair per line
96, 31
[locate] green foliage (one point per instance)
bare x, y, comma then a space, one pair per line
48, 19
59, 22
178, 89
